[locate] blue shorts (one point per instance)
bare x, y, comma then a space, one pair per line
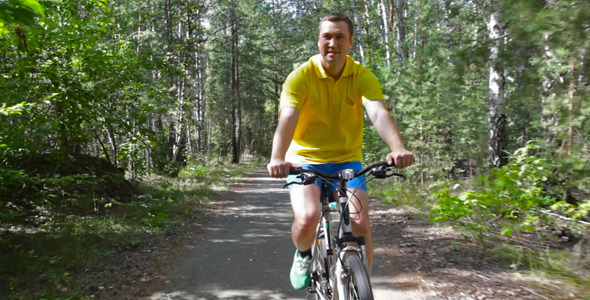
333, 168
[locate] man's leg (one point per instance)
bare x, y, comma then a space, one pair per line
361, 225
305, 201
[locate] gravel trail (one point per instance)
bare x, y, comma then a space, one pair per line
246, 252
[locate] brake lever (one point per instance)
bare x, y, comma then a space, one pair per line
306, 179
385, 172
290, 183
398, 175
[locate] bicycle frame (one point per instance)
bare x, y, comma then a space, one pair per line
324, 232
336, 249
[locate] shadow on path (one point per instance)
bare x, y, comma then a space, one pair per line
246, 251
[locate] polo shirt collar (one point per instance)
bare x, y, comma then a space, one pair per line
321, 72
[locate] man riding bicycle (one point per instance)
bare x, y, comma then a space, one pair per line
321, 127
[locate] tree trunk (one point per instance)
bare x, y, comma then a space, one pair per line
386, 33
113, 142
367, 36
548, 117
360, 43
496, 112
199, 107
448, 29
398, 6
236, 106
572, 94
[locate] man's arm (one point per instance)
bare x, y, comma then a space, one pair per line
388, 131
278, 167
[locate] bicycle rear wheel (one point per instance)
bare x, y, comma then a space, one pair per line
359, 286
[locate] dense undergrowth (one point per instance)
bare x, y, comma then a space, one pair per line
61, 217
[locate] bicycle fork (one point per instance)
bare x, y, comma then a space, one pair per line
346, 241
345, 237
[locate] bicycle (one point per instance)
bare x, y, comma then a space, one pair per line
339, 268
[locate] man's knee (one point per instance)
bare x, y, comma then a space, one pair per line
307, 220
306, 207
361, 224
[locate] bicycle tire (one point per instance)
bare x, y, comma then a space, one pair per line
359, 285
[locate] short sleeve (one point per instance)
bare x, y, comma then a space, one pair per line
369, 86
294, 90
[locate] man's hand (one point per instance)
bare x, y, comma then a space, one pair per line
402, 158
278, 168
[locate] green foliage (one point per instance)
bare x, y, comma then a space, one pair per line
39, 258
80, 90
575, 212
16, 109
436, 95
19, 12
116, 82
373, 147
80, 184
401, 194
147, 87
510, 196
573, 169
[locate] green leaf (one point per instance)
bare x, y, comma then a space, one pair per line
34, 6
463, 196
507, 231
24, 16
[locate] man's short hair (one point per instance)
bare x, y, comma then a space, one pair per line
338, 17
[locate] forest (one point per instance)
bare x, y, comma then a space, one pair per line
99, 96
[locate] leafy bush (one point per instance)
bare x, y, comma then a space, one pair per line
510, 196
75, 183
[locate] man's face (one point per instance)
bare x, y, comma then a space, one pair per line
334, 41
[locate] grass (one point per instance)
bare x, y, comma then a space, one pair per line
399, 192
38, 259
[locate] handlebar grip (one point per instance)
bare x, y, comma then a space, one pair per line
295, 171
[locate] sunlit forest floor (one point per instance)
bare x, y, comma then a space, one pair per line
449, 264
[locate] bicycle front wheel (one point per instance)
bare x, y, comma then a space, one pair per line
359, 286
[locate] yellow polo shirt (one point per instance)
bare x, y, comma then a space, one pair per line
330, 125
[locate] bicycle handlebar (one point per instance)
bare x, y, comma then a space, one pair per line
378, 170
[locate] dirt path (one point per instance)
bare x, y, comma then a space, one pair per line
241, 249
246, 252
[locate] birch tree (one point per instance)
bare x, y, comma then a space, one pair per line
496, 112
